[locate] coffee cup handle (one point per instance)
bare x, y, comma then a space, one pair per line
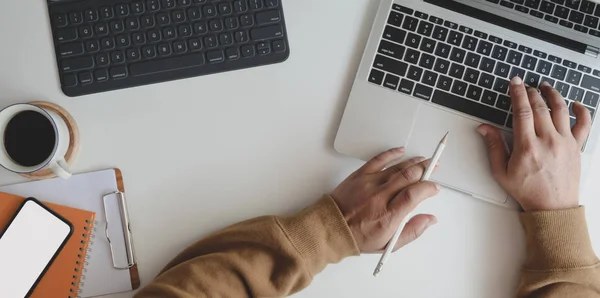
60, 168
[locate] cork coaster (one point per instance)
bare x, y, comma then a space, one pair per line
73, 138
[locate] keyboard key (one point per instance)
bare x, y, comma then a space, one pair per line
406, 86
503, 102
376, 76
486, 81
267, 17
469, 107
153, 35
591, 83
412, 56
456, 38
562, 88
561, 12
436, 20
428, 45
474, 93
574, 77
529, 62
270, 32
179, 47
547, 7
591, 21
147, 22
466, 30
472, 60
118, 72
510, 44
90, 15
576, 94
92, 46
148, 52
507, 4
426, 61
391, 49
489, 97
584, 68
86, 31
133, 55
459, 88
458, 55
576, 17
456, 71
516, 72
106, 12
68, 34
444, 83
532, 79
501, 86
201, 28
169, 33
164, 49
421, 15
548, 80
587, 7
558, 72
422, 92
391, 81
102, 59
526, 50
536, 14
107, 43
487, 65
591, 99
441, 66
502, 70
442, 50
414, 73
75, 64
410, 23
211, 42
484, 48
514, 57
255, 4
215, 25
138, 7
402, 9
101, 75
389, 65
60, 20
69, 80
263, 48
554, 59
85, 78
471, 76
566, 24
425, 28
413, 40
451, 25
122, 10
394, 18
123, 41
75, 18
544, 67
499, 53
569, 64
495, 39
440, 33
480, 34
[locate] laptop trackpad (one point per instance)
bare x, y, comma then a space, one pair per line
464, 165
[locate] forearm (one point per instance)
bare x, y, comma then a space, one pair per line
262, 257
560, 259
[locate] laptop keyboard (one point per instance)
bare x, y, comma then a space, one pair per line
580, 15
468, 70
104, 45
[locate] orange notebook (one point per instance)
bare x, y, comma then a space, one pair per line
64, 274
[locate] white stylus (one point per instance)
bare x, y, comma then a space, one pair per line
390, 247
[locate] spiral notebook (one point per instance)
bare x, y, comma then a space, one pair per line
65, 273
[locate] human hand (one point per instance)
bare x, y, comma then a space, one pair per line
543, 171
374, 200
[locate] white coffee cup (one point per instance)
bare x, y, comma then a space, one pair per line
55, 160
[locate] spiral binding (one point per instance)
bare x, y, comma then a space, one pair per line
87, 240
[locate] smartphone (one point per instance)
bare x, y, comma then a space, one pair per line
28, 245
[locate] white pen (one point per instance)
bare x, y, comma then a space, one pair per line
390, 247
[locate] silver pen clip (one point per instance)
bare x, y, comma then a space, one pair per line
131, 261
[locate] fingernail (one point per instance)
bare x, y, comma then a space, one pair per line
516, 81
431, 222
482, 131
437, 187
545, 84
421, 158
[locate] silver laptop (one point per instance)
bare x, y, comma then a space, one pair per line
432, 66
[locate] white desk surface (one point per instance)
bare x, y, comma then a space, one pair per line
202, 153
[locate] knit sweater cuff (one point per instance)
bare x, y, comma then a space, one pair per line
320, 234
557, 239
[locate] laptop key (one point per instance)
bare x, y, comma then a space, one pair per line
547, 7
472, 60
395, 19
442, 50
426, 61
441, 65
591, 83
529, 62
554, 59
576, 94
591, 99
499, 53
484, 48
427, 45
558, 72
421, 15
516, 72
413, 40
394, 34
566, 24
471, 76
410, 23
489, 97
561, 12
456, 71
406, 86
574, 77
459, 88
425, 28
423, 92
412, 56
469, 43
544, 67
474, 93
587, 7
584, 68
391, 81
535, 4
532, 79
502, 69
576, 17
429, 78
569, 64
514, 57
486, 81
414, 73
440, 33
591, 21
436, 20
455, 38
548, 80
465, 29
562, 88
390, 65
503, 102
391, 49
507, 4
458, 55
444, 83
376, 76
501, 86
487, 65
469, 107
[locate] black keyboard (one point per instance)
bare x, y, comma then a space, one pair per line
580, 15
468, 70
104, 45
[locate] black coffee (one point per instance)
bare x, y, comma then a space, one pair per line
29, 138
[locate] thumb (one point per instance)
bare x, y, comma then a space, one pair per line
497, 149
414, 228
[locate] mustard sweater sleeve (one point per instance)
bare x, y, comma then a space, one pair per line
262, 257
560, 259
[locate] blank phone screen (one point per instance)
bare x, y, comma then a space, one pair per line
27, 247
